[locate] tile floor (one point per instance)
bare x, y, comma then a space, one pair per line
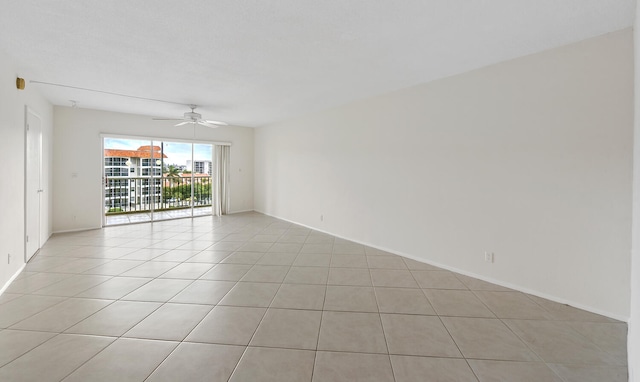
251, 298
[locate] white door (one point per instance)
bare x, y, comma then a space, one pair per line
33, 176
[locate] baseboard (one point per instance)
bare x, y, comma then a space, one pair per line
467, 273
77, 230
241, 211
6, 285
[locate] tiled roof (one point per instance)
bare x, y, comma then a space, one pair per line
141, 152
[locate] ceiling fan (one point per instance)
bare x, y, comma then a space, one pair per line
193, 117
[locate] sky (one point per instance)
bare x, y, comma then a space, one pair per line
177, 152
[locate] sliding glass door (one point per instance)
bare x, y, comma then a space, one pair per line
156, 180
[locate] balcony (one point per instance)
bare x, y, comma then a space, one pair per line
142, 199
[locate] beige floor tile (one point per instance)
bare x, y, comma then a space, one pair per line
72, 285
228, 325
410, 369
347, 248
352, 367
285, 248
312, 260
145, 254
114, 267
54, 359
125, 359
418, 335
189, 271
486, 338
558, 342
351, 277
419, 266
307, 275
251, 294
256, 247
171, 322
176, 255
211, 257
114, 288
150, 269
158, 290
350, 299
115, 319
349, 261
610, 337
204, 292
60, 317
512, 305
513, 371
277, 259
262, 238
317, 248
227, 272
14, 343
285, 328
293, 239
437, 280
300, 296
386, 262
247, 258
403, 300
6, 297
352, 332
36, 281
277, 365
476, 284
587, 373
78, 266
565, 312
392, 278
315, 238
195, 362
266, 274
23, 307
463, 303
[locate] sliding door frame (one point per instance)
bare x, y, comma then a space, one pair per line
152, 183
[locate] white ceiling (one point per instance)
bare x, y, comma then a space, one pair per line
255, 62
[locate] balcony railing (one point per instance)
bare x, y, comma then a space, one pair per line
127, 194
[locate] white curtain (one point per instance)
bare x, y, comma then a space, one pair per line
221, 181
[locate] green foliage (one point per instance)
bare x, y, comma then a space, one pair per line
115, 209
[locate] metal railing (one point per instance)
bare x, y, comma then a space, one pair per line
127, 194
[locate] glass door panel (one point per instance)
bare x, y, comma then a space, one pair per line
202, 178
125, 184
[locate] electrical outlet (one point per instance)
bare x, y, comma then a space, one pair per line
488, 257
321, 218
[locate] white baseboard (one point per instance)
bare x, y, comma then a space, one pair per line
470, 274
6, 285
77, 230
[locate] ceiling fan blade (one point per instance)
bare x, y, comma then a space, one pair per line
216, 122
183, 123
167, 119
206, 123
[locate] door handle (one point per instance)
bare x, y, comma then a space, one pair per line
40, 191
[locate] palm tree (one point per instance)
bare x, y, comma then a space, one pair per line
171, 171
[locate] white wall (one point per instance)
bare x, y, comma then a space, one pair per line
77, 150
12, 154
633, 340
529, 159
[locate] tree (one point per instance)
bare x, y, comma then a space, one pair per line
171, 171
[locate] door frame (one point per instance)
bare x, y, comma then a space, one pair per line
28, 110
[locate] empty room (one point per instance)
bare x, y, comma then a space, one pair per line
320, 191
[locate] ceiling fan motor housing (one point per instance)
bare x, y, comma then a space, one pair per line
192, 116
